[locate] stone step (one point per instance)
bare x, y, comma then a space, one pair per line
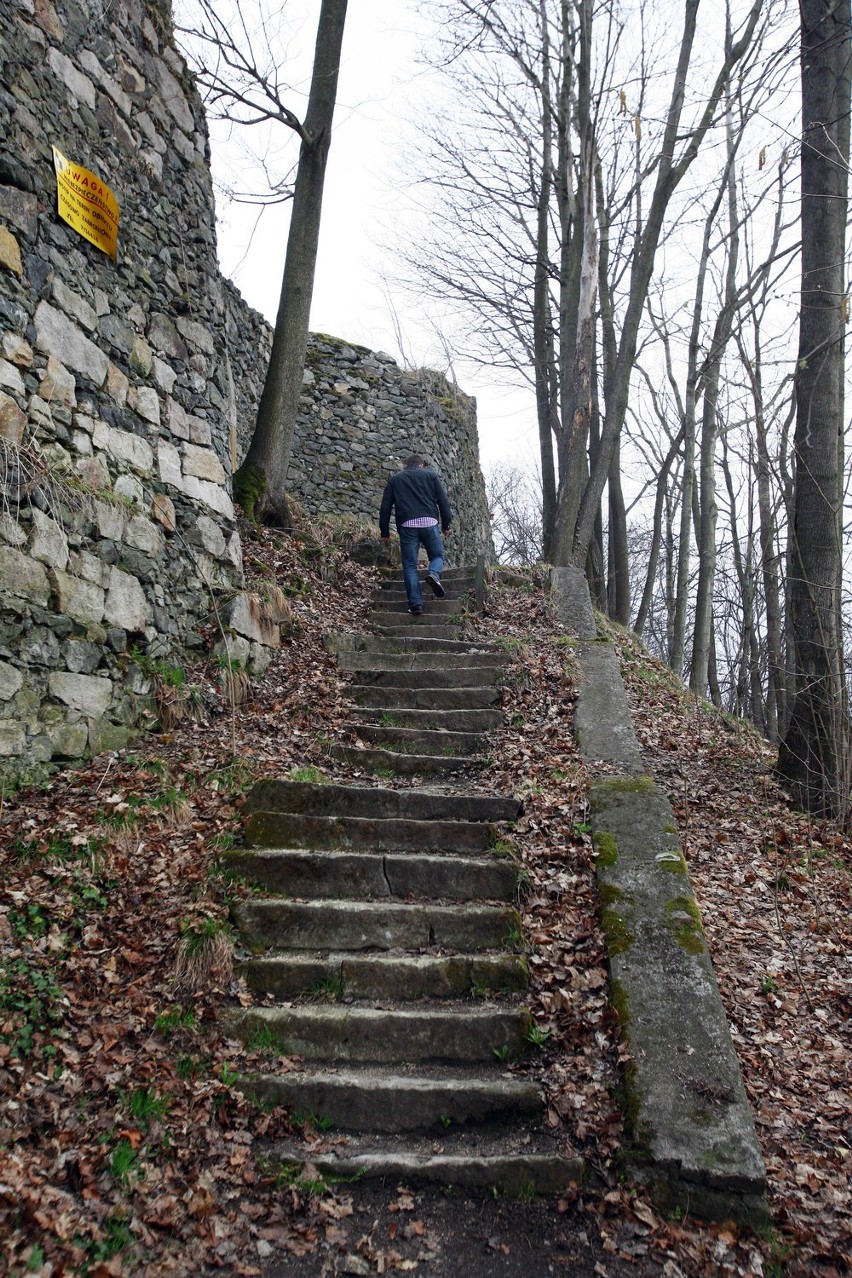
514, 1161
436, 741
279, 795
386, 603
458, 590
400, 763
386, 1035
406, 625
441, 720
401, 976
395, 579
396, 1100
453, 676
324, 875
412, 643
330, 833
387, 697
421, 661
274, 923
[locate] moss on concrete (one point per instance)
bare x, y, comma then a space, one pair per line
606, 848
671, 862
617, 930
683, 919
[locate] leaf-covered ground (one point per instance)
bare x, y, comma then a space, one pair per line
125, 1147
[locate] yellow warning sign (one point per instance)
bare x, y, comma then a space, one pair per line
86, 203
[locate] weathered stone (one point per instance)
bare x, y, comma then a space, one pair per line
79, 85
130, 488
211, 495
163, 511
199, 432
10, 378
117, 385
203, 464
177, 419
210, 536
141, 359
13, 420
168, 461
105, 736
11, 681
126, 606
90, 694
12, 738
58, 385
82, 600
145, 401
164, 375
164, 337
55, 334
74, 305
93, 473
81, 657
68, 740
116, 333
10, 253
143, 535
246, 616
196, 334
16, 350
10, 530
47, 17
48, 542
110, 520
20, 208
124, 446
22, 577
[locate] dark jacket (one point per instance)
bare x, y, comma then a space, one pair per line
413, 492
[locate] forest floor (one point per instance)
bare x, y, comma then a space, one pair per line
125, 1147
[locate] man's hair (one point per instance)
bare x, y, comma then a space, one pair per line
415, 460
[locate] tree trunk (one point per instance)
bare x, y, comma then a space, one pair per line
618, 582
259, 484
813, 754
545, 380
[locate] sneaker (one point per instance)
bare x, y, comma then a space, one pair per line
416, 610
435, 582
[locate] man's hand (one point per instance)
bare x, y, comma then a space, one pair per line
447, 532
386, 539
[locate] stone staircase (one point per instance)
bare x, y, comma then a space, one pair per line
388, 933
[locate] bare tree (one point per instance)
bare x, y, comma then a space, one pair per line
245, 88
813, 755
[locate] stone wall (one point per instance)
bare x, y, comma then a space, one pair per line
115, 427
128, 388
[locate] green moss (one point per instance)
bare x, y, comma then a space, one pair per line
618, 999
250, 489
606, 848
608, 894
683, 919
672, 862
619, 936
625, 785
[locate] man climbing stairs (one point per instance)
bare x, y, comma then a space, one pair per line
386, 949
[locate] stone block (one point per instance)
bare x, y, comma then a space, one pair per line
163, 511
58, 385
145, 401
13, 420
104, 736
57, 335
130, 488
90, 694
199, 431
196, 334
74, 597
202, 463
173, 97
126, 606
109, 520
165, 338
10, 530
20, 208
22, 577
10, 253
117, 385
93, 473
74, 305
78, 84
81, 443
177, 419
10, 378
164, 375
141, 358
247, 616
12, 738
68, 740
143, 535
211, 536
211, 495
48, 19
168, 461
81, 656
48, 542
124, 446
11, 681
16, 350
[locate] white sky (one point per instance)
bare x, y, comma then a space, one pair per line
381, 88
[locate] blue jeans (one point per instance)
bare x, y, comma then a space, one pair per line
410, 541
